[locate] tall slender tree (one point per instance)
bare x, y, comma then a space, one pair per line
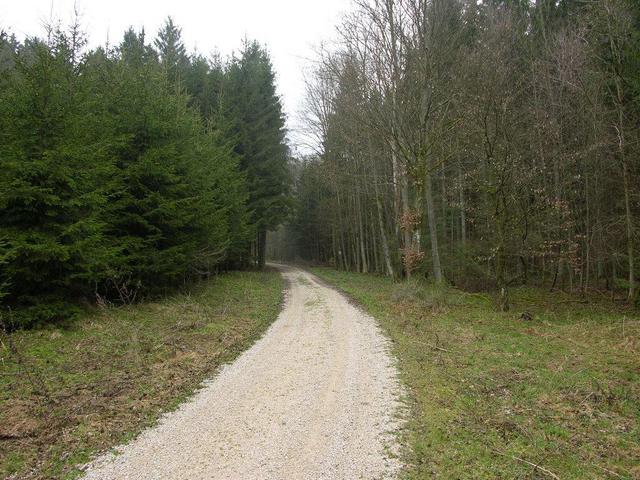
255, 111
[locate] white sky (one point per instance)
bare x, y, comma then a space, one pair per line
290, 28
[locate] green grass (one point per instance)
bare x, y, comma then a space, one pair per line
67, 394
491, 394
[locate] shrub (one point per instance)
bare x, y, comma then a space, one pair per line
425, 295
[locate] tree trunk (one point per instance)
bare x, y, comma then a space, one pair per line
631, 293
463, 219
405, 207
261, 245
363, 252
433, 231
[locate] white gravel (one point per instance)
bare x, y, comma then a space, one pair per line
316, 398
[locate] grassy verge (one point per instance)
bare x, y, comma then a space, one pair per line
66, 394
496, 396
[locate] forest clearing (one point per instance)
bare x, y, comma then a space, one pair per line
380, 239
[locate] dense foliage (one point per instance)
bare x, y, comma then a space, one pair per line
129, 170
486, 144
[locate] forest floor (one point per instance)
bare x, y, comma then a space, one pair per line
495, 396
66, 394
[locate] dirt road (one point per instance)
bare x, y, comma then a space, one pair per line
315, 398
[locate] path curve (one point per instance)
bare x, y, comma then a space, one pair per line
317, 397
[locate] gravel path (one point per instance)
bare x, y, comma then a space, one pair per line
315, 398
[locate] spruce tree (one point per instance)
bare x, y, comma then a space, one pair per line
130, 170
50, 234
258, 125
171, 51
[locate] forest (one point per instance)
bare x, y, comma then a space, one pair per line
433, 272
129, 170
483, 145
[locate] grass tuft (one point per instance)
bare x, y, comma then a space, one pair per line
424, 295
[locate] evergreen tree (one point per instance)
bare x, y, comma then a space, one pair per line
50, 233
252, 105
174, 187
172, 52
113, 184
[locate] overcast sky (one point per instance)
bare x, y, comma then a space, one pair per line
290, 28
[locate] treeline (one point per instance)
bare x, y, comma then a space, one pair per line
127, 170
485, 144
